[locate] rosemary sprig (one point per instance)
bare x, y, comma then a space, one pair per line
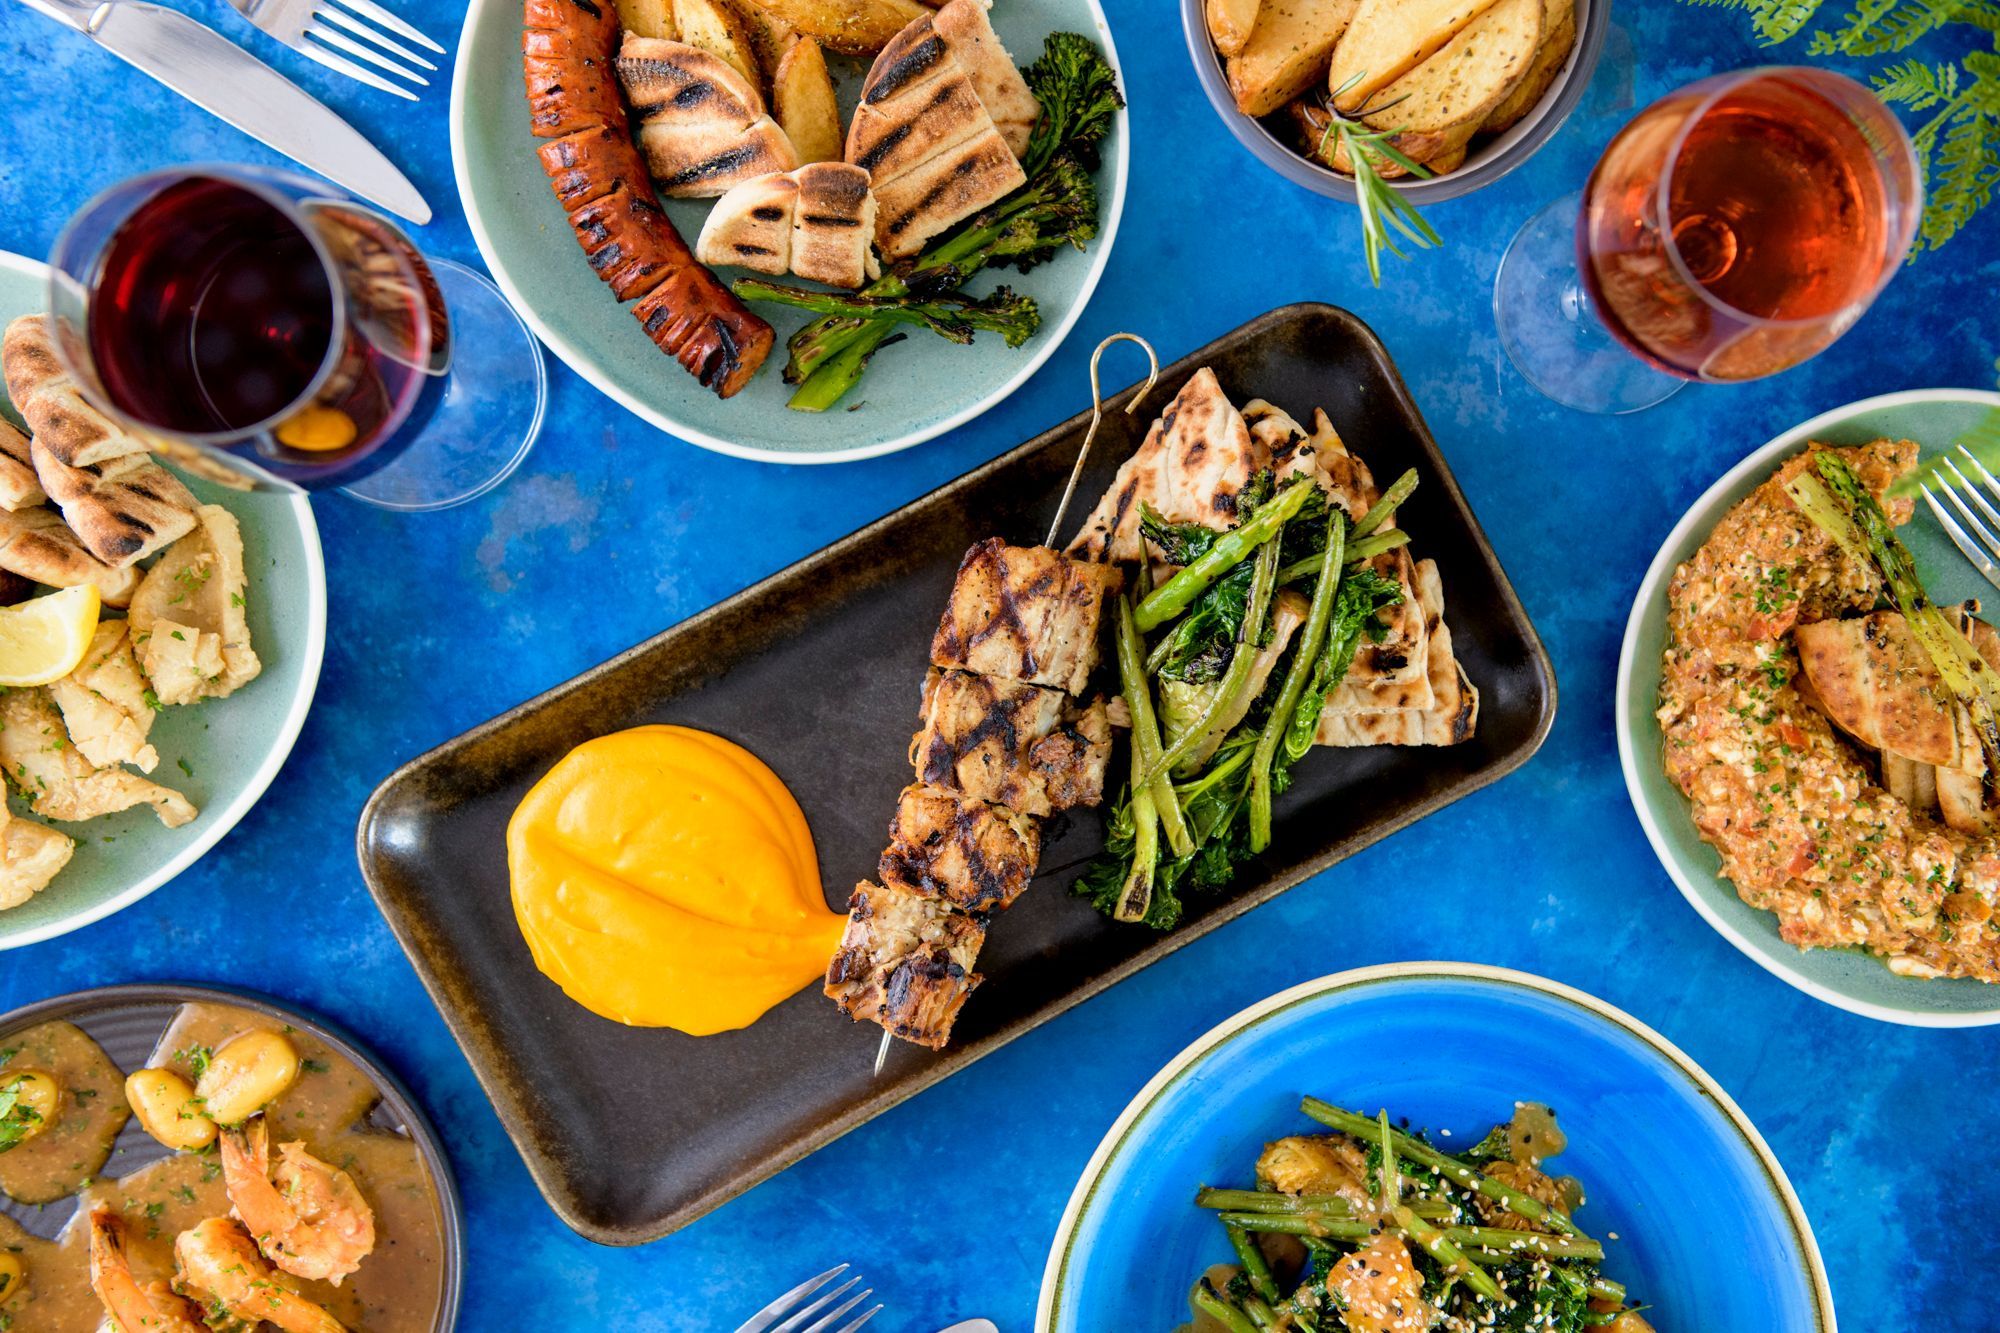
1384, 210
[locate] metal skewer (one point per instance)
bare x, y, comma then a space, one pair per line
1069, 490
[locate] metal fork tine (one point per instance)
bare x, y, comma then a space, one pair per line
1961, 541
334, 37
823, 1325
1978, 529
862, 1320
341, 18
1992, 482
761, 1321
368, 9
352, 70
798, 1320
1971, 493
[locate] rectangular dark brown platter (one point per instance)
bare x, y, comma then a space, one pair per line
816, 671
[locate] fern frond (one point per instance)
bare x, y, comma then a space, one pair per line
1860, 22
1984, 94
1916, 85
1968, 168
1778, 21
1879, 27
1980, 14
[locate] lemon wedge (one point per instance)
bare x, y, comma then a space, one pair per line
43, 639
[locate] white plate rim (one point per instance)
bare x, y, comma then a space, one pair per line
274, 757
579, 361
1432, 971
1651, 588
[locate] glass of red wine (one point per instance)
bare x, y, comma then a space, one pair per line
1734, 229
267, 330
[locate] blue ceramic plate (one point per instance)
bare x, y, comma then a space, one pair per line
1672, 1166
1853, 981
221, 754
917, 389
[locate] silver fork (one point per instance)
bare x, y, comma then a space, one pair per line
788, 1314
1985, 524
330, 31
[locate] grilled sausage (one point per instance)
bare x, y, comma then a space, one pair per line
600, 179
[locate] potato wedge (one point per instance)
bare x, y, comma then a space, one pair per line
649, 18
802, 101
1287, 52
850, 27
1230, 23
717, 28
1388, 38
770, 36
1558, 40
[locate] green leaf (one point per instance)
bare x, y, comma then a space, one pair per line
1915, 85
1968, 165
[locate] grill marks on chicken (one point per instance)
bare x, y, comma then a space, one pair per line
1002, 740
600, 179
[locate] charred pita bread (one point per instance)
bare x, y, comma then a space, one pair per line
123, 510
1453, 715
968, 32
49, 401
36, 544
701, 125
751, 226
19, 487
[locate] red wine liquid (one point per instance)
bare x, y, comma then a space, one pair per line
214, 312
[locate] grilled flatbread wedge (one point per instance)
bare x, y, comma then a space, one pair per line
19, 487
36, 544
751, 226
833, 234
943, 192
968, 32
123, 509
1454, 712
900, 126
1873, 680
701, 125
52, 405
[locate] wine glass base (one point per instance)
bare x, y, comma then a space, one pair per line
489, 415
1552, 332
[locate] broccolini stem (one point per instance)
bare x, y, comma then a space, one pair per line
1230, 550
1146, 733
1494, 1239
1365, 549
838, 373
1236, 679
1304, 661
1379, 513
1328, 1205
1255, 1265
1420, 1152
1441, 1247
1210, 1302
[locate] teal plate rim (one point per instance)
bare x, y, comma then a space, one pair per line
586, 363
282, 741
1638, 676
1243, 1022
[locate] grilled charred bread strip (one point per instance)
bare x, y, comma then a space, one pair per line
599, 178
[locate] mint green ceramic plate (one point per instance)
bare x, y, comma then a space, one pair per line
1853, 981
917, 389
221, 754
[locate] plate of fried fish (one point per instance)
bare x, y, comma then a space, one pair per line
200, 661
794, 230
954, 699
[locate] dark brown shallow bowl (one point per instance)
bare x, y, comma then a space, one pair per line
631, 1133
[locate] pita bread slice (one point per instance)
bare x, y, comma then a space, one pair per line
1196, 457
751, 226
833, 232
19, 487
701, 125
49, 401
968, 31
123, 510
1454, 714
36, 544
944, 191
914, 122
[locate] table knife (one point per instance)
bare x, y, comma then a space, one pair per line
222, 78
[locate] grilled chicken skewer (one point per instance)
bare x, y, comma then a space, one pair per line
1003, 740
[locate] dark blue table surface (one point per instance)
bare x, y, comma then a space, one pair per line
613, 531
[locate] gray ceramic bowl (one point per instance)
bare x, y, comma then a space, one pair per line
1268, 142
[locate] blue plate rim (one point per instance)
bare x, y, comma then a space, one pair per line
1701, 515
274, 758
581, 360
1244, 1022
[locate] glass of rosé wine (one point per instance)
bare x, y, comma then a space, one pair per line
1734, 229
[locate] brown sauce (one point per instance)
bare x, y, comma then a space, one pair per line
1533, 1136
62, 1158
399, 1288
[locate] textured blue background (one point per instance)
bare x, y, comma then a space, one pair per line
613, 531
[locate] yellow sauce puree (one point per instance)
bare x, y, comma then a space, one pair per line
664, 877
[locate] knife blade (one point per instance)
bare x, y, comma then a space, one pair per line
227, 81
